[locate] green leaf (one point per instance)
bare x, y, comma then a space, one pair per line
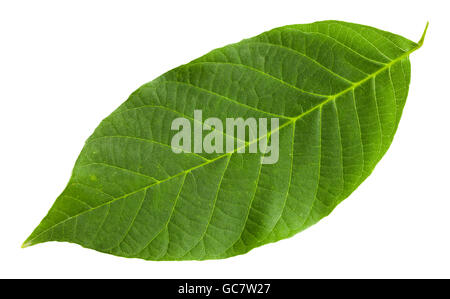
338, 90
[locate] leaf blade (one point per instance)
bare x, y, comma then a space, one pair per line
267, 64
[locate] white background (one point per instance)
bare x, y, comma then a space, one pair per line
65, 65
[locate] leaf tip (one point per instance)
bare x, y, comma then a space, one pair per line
26, 244
422, 39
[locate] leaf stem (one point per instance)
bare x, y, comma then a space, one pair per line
420, 43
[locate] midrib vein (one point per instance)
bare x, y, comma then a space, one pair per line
28, 242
